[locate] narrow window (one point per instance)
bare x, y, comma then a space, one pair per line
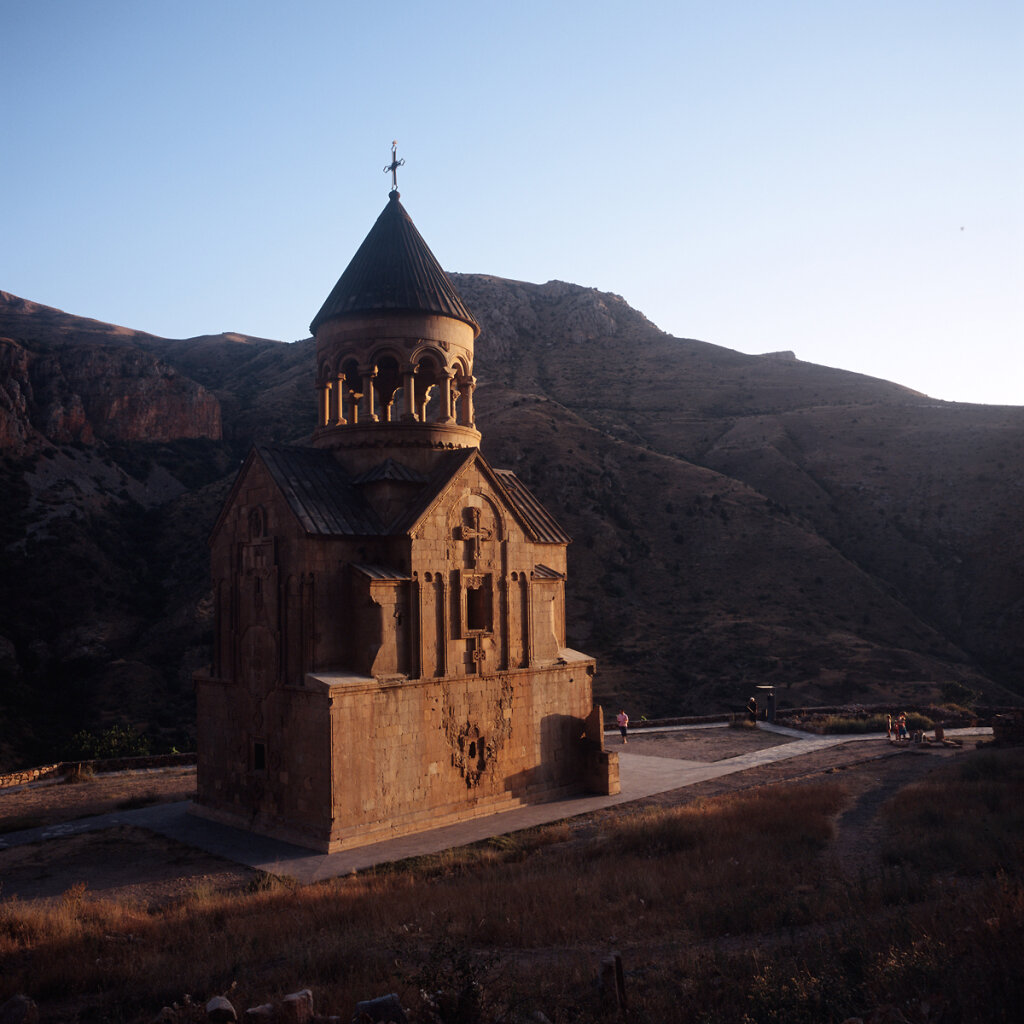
478, 608
259, 756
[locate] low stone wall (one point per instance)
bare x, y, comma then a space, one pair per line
110, 764
661, 723
29, 775
978, 715
981, 715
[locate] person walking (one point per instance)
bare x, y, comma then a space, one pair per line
622, 720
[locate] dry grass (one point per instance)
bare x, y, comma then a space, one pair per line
729, 909
60, 800
978, 833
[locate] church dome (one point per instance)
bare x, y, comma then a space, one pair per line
393, 271
394, 350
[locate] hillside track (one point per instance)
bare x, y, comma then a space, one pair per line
125, 862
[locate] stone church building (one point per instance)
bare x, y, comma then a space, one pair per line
390, 648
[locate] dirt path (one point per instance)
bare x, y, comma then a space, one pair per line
131, 864
859, 829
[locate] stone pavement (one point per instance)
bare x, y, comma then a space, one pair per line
641, 776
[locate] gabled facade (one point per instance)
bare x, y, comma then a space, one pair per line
390, 646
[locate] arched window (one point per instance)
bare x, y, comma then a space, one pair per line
257, 523
387, 382
462, 395
353, 390
427, 402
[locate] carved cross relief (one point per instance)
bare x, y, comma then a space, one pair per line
473, 534
478, 531
258, 558
258, 607
258, 568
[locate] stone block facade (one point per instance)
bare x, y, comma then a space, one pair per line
404, 755
349, 701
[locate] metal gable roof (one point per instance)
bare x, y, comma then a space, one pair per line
539, 520
380, 573
327, 501
319, 492
545, 572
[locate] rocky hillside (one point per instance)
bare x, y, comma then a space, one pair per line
833, 530
738, 520
65, 379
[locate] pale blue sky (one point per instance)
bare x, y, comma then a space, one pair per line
843, 179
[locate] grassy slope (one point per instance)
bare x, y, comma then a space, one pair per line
735, 908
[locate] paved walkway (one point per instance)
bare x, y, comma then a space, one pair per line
641, 776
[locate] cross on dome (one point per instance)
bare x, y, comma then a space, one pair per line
394, 165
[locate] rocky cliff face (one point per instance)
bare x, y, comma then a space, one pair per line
117, 394
736, 519
64, 385
15, 393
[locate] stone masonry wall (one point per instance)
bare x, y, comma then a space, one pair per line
407, 755
415, 755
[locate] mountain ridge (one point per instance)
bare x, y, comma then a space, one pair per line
738, 519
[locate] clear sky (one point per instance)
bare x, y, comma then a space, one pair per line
843, 178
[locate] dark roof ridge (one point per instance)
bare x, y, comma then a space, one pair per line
447, 467
389, 469
319, 491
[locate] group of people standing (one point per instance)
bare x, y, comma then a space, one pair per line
898, 727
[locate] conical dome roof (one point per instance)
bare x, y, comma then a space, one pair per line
393, 271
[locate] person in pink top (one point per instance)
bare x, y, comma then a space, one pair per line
623, 722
